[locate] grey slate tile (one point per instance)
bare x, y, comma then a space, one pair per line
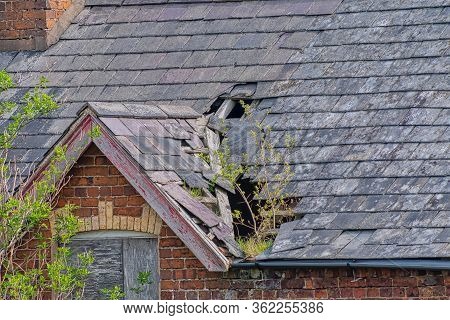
318, 237
442, 219
438, 202
418, 236
444, 236
345, 221
436, 185
296, 239
420, 219
407, 185
298, 40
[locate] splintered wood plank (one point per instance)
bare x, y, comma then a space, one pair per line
145, 217
102, 214
95, 223
224, 206
123, 222
109, 215
195, 207
140, 255
213, 142
116, 223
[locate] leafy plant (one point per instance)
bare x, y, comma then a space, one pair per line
66, 279
95, 132
204, 157
267, 199
251, 246
25, 215
114, 293
143, 279
194, 192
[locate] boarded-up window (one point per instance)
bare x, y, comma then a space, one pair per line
120, 257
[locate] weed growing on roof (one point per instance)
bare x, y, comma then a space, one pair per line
267, 200
95, 132
194, 192
252, 247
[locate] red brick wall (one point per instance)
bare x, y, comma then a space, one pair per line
95, 179
25, 20
183, 277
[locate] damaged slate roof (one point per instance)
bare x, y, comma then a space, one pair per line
164, 144
363, 86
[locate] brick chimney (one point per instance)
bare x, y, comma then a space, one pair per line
35, 24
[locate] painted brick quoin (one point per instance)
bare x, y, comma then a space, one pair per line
94, 180
24, 24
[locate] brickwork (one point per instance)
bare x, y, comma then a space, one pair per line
105, 199
101, 191
183, 277
24, 24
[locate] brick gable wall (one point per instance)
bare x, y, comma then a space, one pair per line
94, 181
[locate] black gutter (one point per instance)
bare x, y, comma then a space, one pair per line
417, 264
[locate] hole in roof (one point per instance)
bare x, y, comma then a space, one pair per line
215, 106
284, 214
237, 112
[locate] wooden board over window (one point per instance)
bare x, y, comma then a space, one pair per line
119, 258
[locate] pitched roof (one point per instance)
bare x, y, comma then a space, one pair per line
363, 85
146, 149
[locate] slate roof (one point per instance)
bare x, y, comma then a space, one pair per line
164, 144
363, 85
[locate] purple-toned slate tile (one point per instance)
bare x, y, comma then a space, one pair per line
246, 9
320, 7
273, 9
156, 128
222, 11
136, 127
174, 128
300, 7
179, 112
196, 12
129, 146
175, 76
116, 126
150, 60
147, 77
172, 13
202, 74
147, 13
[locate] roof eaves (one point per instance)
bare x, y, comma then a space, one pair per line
417, 264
